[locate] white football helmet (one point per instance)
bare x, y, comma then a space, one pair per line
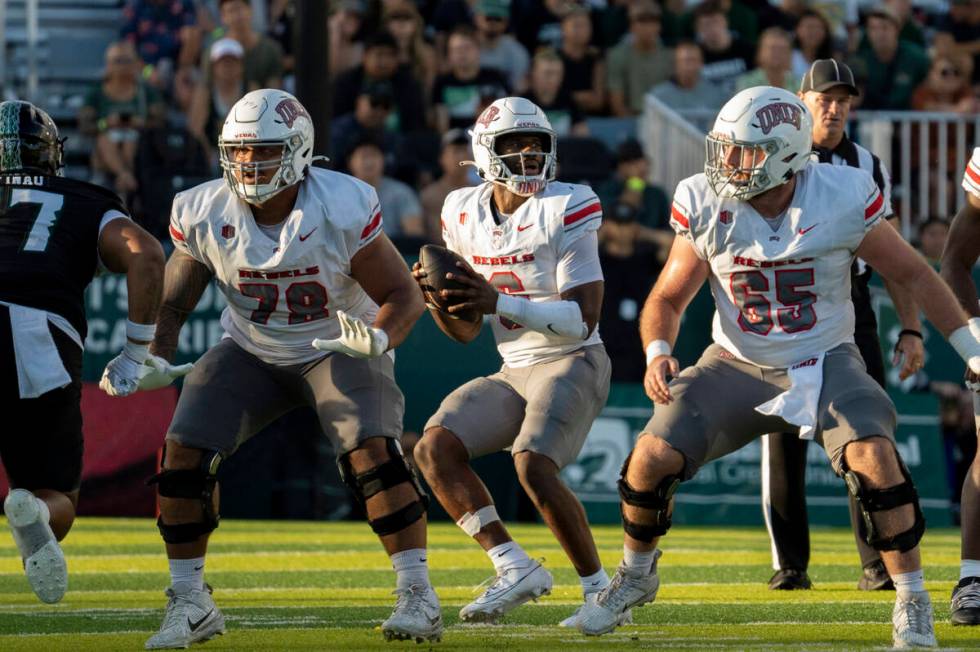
510, 115
761, 138
266, 118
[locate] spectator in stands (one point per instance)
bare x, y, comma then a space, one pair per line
282, 13
932, 239
629, 268
400, 208
455, 150
114, 112
381, 64
402, 20
649, 203
813, 41
215, 97
910, 29
498, 49
345, 25
891, 68
182, 96
263, 56
538, 24
164, 33
547, 73
639, 62
947, 88
585, 69
368, 121
460, 93
742, 21
725, 56
687, 89
774, 58
960, 30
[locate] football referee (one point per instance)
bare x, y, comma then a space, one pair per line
827, 89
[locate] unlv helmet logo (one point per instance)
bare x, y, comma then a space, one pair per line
777, 113
488, 116
289, 109
227, 231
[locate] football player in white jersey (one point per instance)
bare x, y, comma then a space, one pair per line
317, 297
533, 269
961, 253
775, 235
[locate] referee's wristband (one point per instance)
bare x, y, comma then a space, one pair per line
657, 348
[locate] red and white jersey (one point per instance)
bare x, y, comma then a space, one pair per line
527, 256
782, 294
283, 293
971, 176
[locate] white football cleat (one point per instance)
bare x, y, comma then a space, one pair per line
417, 616
912, 621
572, 621
511, 588
628, 588
44, 562
191, 617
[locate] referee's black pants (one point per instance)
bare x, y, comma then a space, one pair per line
785, 501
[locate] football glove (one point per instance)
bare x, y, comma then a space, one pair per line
357, 339
124, 375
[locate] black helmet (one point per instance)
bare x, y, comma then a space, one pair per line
28, 139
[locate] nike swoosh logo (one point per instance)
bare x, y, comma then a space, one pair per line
304, 237
524, 227
423, 559
553, 330
807, 229
501, 554
197, 568
194, 625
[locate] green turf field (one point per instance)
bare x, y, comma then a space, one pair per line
327, 586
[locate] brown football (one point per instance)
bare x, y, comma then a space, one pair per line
436, 262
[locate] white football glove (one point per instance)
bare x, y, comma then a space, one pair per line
157, 372
357, 339
124, 376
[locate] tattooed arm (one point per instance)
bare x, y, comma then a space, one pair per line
184, 281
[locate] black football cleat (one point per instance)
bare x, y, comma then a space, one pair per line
790, 579
876, 578
965, 606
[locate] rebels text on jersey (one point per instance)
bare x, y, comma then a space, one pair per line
782, 287
526, 256
283, 293
49, 238
971, 176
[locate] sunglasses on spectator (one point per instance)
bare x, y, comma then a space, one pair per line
949, 72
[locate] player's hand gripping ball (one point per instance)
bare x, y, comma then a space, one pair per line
434, 263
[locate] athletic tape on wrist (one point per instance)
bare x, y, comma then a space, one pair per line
140, 332
657, 348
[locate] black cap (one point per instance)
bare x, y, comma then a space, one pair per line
629, 150
824, 74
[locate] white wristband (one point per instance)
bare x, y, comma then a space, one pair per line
966, 341
140, 332
657, 348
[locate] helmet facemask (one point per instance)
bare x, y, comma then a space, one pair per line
256, 181
738, 169
511, 169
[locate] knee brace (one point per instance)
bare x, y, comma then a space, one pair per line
388, 474
657, 500
876, 500
190, 483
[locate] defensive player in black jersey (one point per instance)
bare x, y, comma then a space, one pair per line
55, 235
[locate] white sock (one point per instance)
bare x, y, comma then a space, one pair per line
914, 581
411, 568
637, 560
187, 572
595, 582
969, 568
508, 554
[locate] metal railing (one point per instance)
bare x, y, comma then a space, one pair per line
925, 152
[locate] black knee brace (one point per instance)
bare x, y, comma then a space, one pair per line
388, 474
877, 500
190, 483
657, 500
